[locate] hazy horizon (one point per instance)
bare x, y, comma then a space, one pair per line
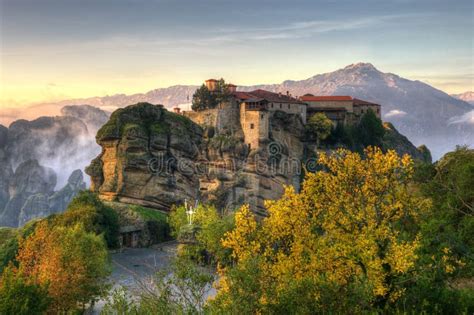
55, 50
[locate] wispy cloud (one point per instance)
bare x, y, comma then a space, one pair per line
467, 118
395, 113
303, 29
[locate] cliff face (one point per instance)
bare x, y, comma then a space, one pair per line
155, 158
147, 157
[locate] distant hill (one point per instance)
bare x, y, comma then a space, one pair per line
466, 97
424, 114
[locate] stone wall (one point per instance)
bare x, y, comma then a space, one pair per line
224, 117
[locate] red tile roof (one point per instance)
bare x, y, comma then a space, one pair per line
335, 98
308, 98
362, 102
267, 95
327, 109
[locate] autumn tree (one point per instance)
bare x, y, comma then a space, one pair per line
347, 241
319, 127
69, 260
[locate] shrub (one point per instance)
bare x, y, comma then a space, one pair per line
86, 208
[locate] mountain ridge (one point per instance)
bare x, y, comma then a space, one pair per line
424, 114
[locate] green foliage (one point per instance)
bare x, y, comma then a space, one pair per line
204, 236
149, 214
86, 208
444, 282
203, 99
318, 127
120, 303
177, 219
425, 152
222, 93
370, 130
19, 297
180, 289
9, 248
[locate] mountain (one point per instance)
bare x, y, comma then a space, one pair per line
41, 162
466, 97
422, 113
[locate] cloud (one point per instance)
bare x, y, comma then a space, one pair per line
395, 113
467, 118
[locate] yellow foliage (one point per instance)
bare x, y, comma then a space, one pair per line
345, 226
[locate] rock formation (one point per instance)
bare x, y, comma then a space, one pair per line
146, 151
155, 158
29, 179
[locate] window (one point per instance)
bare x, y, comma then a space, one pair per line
288, 106
251, 126
272, 105
261, 116
280, 105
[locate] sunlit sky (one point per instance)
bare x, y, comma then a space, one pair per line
61, 49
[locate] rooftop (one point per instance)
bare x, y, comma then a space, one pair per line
267, 95
334, 98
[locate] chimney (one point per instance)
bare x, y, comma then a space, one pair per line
231, 87
177, 110
279, 94
211, 84
287, 93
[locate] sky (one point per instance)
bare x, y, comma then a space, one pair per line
61, 49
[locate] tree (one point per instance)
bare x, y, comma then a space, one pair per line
87, 209
203, 99
222, 93
346, 242
204, 235
20, 296
70, 261
319, 127
447, 244
370, 130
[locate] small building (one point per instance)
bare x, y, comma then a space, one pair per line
130, 236
342, 108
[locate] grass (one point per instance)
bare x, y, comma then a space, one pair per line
150, 214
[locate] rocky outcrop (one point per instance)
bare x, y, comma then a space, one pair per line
31, 193
394, 140
29, 179
63, 143
6, 171
43, 204
59, 200
93, 117
147, 157
154, 158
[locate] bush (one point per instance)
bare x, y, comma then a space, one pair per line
19, 297
203, 237
86, 208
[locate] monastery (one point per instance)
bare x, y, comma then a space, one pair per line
254, 108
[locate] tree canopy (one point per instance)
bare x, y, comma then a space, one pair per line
342, 243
